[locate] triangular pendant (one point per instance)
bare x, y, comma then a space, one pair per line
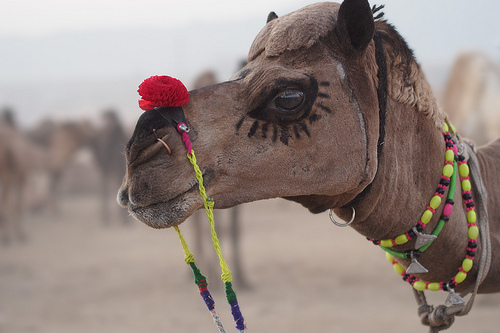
422, 239
416, 268
454, 299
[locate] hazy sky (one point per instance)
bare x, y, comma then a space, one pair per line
72, 56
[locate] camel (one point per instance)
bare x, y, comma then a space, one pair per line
60, 141
472, 97
333, 112
107, 144
20, 158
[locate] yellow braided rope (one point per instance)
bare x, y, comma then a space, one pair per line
209, 205
188, 257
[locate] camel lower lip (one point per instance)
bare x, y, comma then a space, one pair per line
168, 213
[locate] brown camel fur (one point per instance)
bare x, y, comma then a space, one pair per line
472, 97
302, 121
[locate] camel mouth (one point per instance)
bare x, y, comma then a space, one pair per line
174, 211
170, 213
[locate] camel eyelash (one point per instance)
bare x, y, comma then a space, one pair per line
285, 131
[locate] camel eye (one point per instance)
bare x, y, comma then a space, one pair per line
289, 100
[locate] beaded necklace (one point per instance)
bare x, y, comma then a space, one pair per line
453, 161
423, 241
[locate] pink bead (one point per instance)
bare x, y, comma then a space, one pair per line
447, 209
455, 150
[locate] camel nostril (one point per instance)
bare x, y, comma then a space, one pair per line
122, 197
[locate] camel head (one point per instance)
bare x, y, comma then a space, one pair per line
299, 121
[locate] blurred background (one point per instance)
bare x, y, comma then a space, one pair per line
72, 261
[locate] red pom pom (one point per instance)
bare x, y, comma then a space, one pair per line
162, 91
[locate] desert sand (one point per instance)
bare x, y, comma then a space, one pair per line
74, 274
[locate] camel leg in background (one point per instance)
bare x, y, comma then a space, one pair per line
234, 235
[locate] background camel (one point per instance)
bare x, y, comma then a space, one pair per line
310, 110
20, 159
472, 97
107, 144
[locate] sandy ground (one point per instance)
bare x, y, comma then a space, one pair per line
76, 275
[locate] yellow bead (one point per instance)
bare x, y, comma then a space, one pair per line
453, 129
471, 216
435, 202
467, 264
448, 170
386, 243
419, 285
401, 239
445, 127
460, 277
433, 286
466, 185
426, 216
463, 170
449, 155
473, 232
389, 257
398, 269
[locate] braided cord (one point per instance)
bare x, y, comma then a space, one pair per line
201, 281
209, 206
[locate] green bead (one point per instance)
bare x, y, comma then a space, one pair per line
473, 232
466, 185
401, 239
448, 170
467, 264
435, 202
460, 277
463, 170
389, 257
471, 216
399, 269
434, 286
419, 285
449, 155
386, 243
426, 216
445, 127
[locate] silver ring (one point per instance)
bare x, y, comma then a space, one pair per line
338, 224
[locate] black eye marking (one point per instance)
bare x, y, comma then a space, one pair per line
296, 132
314, 118
285, 134
275, 132
324, 108
288, 100
253, 129
238, 125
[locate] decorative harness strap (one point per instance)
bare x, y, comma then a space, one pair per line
167, 95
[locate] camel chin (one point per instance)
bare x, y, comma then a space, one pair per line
167, 214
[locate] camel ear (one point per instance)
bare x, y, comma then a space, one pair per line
355, 26
271, 16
